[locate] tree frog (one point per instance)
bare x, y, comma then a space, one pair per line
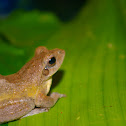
26, 90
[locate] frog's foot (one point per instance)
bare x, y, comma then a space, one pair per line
37, 111
56, 95
47, 101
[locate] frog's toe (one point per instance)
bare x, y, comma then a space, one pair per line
62, 95
55, 94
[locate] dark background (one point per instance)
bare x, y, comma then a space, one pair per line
64, 9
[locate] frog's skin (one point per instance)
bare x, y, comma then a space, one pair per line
21, 92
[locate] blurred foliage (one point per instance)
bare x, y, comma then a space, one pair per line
93, 72
27, 28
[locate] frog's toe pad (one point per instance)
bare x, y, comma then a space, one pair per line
55, 94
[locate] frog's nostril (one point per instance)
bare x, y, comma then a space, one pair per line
61, 51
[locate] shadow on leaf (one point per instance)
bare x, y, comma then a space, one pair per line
57, 77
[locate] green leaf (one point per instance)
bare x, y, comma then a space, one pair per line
93, 73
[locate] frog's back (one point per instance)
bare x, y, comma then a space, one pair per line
12, 86
9, 86
6, 88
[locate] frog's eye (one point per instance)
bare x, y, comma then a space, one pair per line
52, 61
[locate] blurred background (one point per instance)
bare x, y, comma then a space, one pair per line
64, 9
93, 35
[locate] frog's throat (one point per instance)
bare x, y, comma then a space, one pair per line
48, 85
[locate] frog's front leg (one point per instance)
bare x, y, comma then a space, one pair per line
47, 101
44, 103
12, 109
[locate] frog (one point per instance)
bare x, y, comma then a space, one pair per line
28, 89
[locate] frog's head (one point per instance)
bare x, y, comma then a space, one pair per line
51, 60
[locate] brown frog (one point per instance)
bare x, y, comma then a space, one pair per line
25, 91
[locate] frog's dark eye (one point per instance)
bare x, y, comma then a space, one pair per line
52, 61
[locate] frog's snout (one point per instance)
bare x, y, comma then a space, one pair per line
61, 51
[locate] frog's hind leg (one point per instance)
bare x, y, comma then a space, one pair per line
12, 109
